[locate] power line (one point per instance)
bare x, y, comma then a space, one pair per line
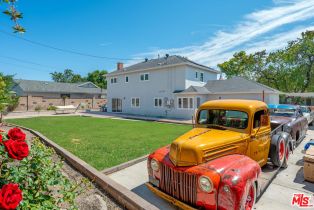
21, 66
64, 50
25, 61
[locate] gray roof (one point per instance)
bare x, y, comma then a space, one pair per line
196, 89
233, 85
57, 87
304, 95
163, 61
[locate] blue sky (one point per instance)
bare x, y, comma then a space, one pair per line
206, 31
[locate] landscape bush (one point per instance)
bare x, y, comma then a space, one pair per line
30, 178
52, 108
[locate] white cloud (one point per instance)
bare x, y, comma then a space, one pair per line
255, 27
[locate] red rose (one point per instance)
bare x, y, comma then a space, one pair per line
1, 138
16, 134
16, 149
10, 196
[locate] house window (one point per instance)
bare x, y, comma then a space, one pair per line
135, 102
185, 103
126, 79
198, 102
196, 75
144, 77
202, 77
113, 80
157, 102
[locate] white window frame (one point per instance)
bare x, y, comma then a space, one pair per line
196, 104
139, 102
189, 104
113, 80
162, 103
126, 78
144, 80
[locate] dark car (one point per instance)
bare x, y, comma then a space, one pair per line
308, 114
104, 108
290, 115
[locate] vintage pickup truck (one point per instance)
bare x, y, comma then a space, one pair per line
216, 165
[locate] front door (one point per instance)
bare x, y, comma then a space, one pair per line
116, 105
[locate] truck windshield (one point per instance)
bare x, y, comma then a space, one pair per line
282, 112
223, 118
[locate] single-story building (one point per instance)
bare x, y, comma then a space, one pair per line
174, 86
35, 94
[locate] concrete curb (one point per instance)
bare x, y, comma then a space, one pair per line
122, 195
113, 169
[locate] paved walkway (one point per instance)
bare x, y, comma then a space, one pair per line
277, 196
98, 114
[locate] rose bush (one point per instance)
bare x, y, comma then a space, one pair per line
16, 134
29, 179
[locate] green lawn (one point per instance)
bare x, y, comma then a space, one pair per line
104, 143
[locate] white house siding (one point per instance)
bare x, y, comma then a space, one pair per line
162, 83
191, 79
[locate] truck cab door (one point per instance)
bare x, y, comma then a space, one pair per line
260, 137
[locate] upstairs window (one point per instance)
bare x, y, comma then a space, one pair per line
196, 75
157, 102
113, 80
126, 79
202, 77
144, 77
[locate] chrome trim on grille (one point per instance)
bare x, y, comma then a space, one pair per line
182, 186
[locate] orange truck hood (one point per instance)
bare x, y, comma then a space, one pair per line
203, 144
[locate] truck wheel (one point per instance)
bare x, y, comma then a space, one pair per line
277, 151
287, 154
250, 197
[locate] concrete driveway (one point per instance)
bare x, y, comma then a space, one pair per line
277, 196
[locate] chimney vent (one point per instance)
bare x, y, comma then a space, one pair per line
120, 66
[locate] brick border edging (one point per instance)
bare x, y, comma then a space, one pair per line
113, 169
122, 195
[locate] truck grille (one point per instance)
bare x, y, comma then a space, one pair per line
180, 185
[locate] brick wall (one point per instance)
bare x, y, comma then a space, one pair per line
29, 103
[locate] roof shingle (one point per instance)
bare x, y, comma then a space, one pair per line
57, 87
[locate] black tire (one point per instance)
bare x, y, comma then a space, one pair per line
277, 150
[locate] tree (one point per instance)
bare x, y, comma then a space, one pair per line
290, 69
7, 97
98, 78
67, 76
14, 14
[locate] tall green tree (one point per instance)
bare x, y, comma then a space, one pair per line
67, 76
7, 97
98, 77
290, 69
13, 13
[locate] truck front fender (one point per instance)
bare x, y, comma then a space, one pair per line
240, 173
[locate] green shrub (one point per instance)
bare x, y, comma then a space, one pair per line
39, 177
52, 108
38, 108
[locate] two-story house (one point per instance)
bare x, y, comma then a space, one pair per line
174, 86
150, 87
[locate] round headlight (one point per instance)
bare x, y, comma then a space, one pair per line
205, 184
154, 165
